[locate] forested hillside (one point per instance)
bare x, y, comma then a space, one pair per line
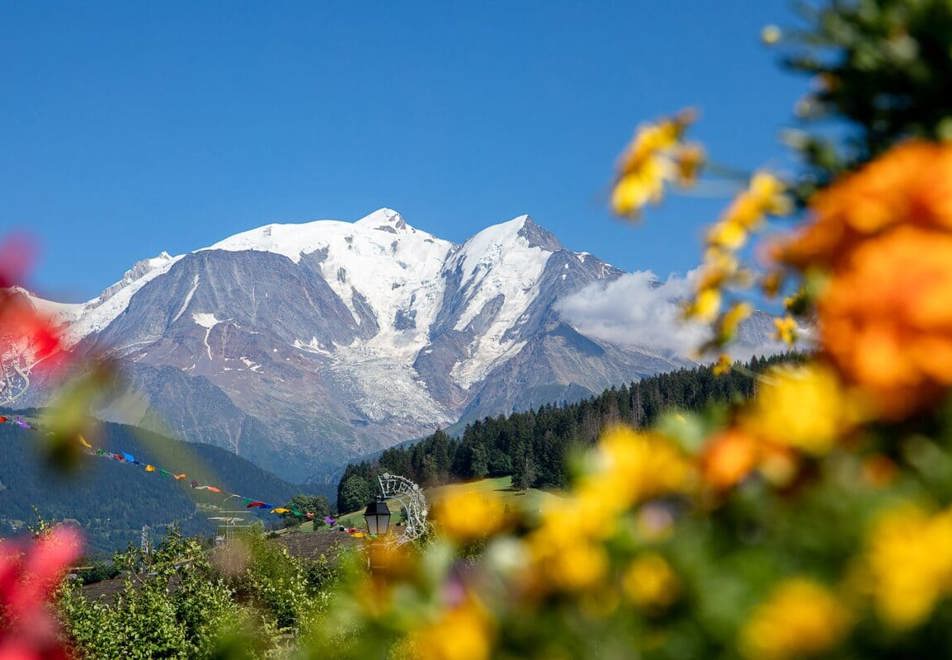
111, 500
533, 446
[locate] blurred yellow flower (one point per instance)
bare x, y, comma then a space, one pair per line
910, 563
801, 406
770, 193
653, 158
731, 320
765, 195
462, 633
577, 567
723, 364
785, 330
632, 466
635, 190
727, 235
801, 617
627, 467
650, 582
720, 267
705, 305
464, 514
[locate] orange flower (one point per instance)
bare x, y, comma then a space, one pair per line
886, 320
911, 184
728, 458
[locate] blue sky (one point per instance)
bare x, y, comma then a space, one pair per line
128, 128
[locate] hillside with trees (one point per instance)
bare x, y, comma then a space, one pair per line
111, 501
533, 446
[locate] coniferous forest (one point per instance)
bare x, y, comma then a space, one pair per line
534, 446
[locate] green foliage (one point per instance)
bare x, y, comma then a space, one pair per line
172, 605
184, 601
354, 491
882, 69
99, 571
272, 581
303, 504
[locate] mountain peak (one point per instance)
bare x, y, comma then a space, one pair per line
520, 227
385, 220
538, 236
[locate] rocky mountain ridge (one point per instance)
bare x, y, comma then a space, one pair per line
300, 346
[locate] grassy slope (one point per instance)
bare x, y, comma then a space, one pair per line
531, 500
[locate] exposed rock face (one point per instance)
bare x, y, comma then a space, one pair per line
300, 346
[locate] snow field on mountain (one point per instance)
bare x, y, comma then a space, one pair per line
497, 260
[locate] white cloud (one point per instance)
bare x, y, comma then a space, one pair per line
639, 311
636, 311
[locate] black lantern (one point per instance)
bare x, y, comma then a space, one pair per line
377, 516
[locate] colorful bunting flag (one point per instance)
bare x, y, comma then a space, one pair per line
125, 457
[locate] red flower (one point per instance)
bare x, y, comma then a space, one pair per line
28, 337
28, 576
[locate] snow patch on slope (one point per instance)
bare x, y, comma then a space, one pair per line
207, 321
188, 298
251, 364
498, 261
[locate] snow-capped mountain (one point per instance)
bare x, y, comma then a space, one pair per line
302, 345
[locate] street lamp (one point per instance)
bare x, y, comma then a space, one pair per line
377, 516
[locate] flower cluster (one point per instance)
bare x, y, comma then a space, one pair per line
657, 155
882, 238
787, 525
29, 574
764, 196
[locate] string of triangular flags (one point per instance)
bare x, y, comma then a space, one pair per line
129, 459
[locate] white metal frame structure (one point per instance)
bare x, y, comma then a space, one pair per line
411, 499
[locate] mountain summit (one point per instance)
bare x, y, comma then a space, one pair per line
300, 346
